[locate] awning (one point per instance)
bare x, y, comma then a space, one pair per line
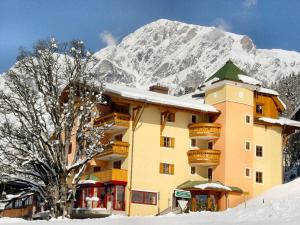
208, 185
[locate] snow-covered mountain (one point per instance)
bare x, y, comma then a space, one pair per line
179, 54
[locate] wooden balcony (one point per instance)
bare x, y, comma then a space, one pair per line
114, 121
107, 175
205, 131
204, 157
117, 150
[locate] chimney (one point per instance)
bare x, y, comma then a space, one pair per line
159, 89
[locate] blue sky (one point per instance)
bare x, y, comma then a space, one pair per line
270, 23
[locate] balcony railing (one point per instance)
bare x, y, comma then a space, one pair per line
204, 131
108, 175
113, 119
118, 149
204, 157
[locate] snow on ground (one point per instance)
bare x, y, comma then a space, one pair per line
277, 206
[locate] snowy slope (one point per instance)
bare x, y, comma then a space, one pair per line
277, 206
175, 53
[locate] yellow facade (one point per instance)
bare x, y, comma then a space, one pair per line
269, 137
235, 101
148, 155
225, 143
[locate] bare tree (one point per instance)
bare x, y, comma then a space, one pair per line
47, 101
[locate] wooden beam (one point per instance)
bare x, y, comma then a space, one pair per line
163, 121
136, 115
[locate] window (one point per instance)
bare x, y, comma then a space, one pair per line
142, 197
170, 117
259, 151
248, 119
247, 172
117, 164
259, 177
210, 145
259, 109
118, 137
209, 173
70, 148
166, 168
137, 197
150, 198
97, 168
167, 142
194, 119
247, 145
18, 203
193, 143
193, 170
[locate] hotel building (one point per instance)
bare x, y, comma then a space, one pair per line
216, 149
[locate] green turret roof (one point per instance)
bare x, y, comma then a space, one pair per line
228, 72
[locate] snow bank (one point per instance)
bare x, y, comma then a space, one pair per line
278, 206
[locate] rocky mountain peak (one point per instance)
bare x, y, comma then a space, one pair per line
178, 54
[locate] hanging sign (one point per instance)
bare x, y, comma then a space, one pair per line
182, 194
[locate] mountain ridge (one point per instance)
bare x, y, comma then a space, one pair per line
177, 54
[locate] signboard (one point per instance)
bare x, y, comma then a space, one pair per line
182, 194
182, 204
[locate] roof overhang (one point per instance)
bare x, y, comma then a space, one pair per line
148, 97
209, 186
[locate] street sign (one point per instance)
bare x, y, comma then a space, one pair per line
182, 204
182, 194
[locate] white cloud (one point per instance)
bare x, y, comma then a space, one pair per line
250, 3
221, 24
108, 38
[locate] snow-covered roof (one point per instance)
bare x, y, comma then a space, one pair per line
190, 96
248, 80
282, 103
281, 121
212, 185
87, 182
267, 91
157, 98
211, 81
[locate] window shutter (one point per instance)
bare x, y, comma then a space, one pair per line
172, 142
161, 141
171, 167
161, 168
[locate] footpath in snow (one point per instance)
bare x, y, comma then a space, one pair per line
277, 206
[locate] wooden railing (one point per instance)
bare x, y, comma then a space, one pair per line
112, 174
114, 119
204, 130
204, 157
118, 147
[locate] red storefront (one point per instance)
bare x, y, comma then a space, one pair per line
91, 194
